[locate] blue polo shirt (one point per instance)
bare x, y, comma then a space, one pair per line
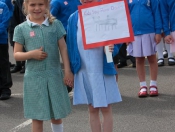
62, 9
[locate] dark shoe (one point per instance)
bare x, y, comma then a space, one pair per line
4, 96
134, 65
15, 69
120, 65
171, 63
165, 54
69, 89
160, 63
11, 65
23, 70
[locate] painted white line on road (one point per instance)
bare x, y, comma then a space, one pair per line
18, 94
24, 124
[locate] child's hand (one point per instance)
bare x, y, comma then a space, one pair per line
69, 79
158, 38
169, 39
38, 54
127, 43
111, 48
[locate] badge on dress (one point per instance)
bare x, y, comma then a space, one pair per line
130, 1
148, 3
32, 34
65, 2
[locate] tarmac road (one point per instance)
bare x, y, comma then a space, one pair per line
133, 114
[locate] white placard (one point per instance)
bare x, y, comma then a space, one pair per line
108, 54
105, 22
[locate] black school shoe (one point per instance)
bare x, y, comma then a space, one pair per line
165, 54
22, 70
121, 65
15, 69
160, 63
171, 63
134, 65
4, 96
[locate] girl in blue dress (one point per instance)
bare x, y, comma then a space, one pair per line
94, 79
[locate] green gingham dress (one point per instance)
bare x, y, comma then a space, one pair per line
45, 95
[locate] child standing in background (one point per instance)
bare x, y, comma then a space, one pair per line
94, 81
5, 76
147, 25
45, 95
168, 17
160, 47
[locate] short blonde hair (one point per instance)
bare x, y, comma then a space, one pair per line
48, 14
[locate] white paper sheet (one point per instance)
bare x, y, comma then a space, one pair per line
105, 22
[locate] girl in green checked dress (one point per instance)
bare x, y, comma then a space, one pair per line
45, 93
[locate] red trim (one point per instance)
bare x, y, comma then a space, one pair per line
103, 43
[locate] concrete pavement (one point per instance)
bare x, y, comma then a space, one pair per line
133, 114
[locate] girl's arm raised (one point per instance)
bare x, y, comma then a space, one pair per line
37, 54
68, 79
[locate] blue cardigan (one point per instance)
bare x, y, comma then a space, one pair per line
74, 56
145, 16
4, 21
168, 15
62, 9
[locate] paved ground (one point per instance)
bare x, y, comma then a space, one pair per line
151, 114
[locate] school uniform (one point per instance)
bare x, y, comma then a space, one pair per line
62, 9
146, 22
9, 5
168, 18
168, 15
45, 95
5, 76
94, 78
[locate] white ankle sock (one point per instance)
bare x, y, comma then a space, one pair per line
57, 128
160, 49
168, 50
153, 83
141, 85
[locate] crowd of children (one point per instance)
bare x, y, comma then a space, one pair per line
41, 39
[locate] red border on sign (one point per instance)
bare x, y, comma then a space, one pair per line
104, 43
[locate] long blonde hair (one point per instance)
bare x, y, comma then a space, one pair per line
48, 14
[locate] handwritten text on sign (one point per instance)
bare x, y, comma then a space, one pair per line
105, 22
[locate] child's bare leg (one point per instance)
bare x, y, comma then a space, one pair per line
140, 66
37, 126
140, 61
153, 74
153, 67
56, 125
94, 119
107, 119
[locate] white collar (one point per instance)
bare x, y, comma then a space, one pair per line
32, 24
